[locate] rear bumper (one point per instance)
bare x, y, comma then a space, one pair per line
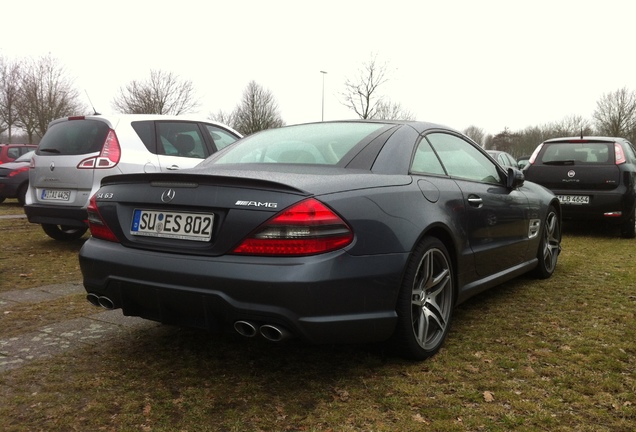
600, 204
329, 298
56, 215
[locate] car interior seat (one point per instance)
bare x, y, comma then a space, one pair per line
185, 145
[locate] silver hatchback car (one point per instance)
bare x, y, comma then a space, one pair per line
75, 154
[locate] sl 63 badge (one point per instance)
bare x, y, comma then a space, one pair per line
104, 195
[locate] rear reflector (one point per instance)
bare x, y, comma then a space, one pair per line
307, 228
615, 214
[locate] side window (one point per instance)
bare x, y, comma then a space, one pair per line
425, 160
462, 160
146, 132
180, 139
221, 138
13, 152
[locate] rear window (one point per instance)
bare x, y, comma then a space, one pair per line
320, 143
587, 153
74, 137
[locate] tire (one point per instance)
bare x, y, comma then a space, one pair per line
550, 245
21, 196
63, 232
628, 228
426, 300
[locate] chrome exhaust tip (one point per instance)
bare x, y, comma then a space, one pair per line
274, 333
106, 303
245, 328
93, 299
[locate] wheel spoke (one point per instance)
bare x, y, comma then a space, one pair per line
431, 298
552, 242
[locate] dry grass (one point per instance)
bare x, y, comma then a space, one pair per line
29, 257
529, 355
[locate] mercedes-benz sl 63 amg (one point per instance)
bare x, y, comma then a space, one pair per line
333, 232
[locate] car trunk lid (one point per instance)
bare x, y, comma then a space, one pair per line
228, 205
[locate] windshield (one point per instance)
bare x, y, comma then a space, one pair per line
316, 143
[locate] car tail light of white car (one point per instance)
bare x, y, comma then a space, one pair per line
108, 157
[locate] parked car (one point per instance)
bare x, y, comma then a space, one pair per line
523, 161
334, 232
77, 152
505, 159
593, 177
10, 152
14, 178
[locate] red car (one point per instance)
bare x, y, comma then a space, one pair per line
10, 152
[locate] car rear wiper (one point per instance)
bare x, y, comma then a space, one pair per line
560, 162
56, 151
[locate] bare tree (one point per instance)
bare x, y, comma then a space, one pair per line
10, 80
573, 125
227, 118
163, 93
363, 97
361, 94
475, 133
257, 111
615, 114
387, 110
506, 141
46, 93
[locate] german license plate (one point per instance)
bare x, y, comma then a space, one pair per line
55, 195
177, 225
574, 199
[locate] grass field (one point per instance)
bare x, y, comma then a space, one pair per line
557, 354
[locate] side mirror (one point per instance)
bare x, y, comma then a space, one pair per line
515, 178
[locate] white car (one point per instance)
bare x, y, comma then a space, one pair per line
75, 154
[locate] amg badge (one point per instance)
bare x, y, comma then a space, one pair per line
256, 204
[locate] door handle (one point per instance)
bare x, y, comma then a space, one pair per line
475, 201
173, 167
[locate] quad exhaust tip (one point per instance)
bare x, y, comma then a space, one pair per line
245, 328
103, 301
274, 333
271, 332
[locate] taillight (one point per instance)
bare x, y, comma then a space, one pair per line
18, 171
619, 154
108, 157
535, 153
307, 228
96, 223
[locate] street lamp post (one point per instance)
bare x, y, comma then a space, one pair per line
323, 95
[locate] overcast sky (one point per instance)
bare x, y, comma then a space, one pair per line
491, 64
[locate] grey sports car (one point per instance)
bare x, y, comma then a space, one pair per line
334, 232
